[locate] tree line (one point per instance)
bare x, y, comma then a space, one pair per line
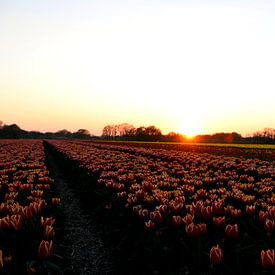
13, 131
127, 132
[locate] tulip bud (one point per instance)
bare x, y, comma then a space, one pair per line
269, 225
177, 221
263, 215
55, 201
250, 209
216, 255
232, 231
268, 258
149, 225
219, 221
49, 232
45, 249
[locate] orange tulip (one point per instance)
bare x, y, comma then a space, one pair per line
45, 249
268, 258
216, 255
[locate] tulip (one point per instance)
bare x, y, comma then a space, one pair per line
156, 217
1, 259
268, 258
218, 207
232, 231
16, 221
149, 225
143, 213
49, 232
236, 213
188, 219
219, 221
47, 221
271, 212
263, 215
177, 221
192, 230
216, 255
27, 212
5, 222
45, 249
269, 225
162, 209
55, 201
207, 212
250, 209
195, 230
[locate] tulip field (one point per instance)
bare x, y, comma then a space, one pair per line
26, 209
218, 211
195, 212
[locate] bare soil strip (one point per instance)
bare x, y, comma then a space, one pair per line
82, 245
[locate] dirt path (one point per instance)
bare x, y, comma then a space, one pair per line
82, 244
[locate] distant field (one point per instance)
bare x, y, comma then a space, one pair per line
245, 146
260, 151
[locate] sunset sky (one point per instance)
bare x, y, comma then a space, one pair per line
185, 66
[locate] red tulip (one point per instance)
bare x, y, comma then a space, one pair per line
219, 221
177, 220
236, 213
268, 258
27, 212
216, 255
263, 216
192, 230
269, 225
271, 212
55, 201
16, 221
207, 212
250, 209
156, 217
232, 231
195, 230
218, 207
45, 249
143, 213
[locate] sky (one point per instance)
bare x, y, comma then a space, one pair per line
193, 67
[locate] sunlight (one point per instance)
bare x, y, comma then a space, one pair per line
190, 130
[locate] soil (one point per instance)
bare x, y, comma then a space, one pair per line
80, 243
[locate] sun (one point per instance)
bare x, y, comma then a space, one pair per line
190, 130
